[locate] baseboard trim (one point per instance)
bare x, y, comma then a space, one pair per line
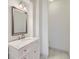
60, 50
43, 56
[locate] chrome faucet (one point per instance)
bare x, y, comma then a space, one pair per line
22, 36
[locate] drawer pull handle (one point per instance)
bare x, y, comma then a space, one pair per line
34, 51
25, 50
24, 58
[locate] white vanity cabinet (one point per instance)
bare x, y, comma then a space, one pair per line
24, 49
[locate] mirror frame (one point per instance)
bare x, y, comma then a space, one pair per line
19, 33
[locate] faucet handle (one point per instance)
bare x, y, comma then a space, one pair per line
18, 37
22, 36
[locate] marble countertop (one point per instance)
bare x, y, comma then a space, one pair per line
22, 42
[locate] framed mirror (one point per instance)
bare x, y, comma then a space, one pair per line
19, 21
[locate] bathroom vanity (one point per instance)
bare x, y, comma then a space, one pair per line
27, 48
23, 45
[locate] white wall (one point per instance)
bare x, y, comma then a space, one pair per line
59, 24
35, 18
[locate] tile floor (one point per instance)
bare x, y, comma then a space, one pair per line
55, 54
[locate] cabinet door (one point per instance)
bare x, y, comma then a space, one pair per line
36, 53
30, 55
36, 50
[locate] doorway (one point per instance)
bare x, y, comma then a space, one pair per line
59, 29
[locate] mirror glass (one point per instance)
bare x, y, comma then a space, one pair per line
19, 21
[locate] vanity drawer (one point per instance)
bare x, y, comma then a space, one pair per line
25, 50
32, 48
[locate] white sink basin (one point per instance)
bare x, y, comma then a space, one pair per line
22, 42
